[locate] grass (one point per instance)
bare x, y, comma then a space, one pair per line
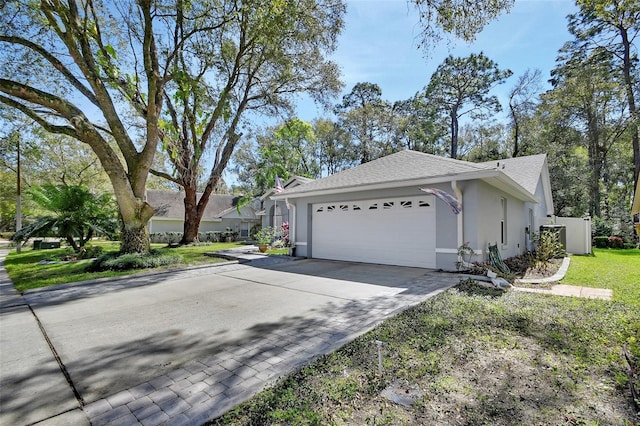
615, 269
284, 250
479, 357
26, 273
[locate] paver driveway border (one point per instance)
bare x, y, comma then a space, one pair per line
207, 387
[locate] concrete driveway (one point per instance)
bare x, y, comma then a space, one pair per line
183, 347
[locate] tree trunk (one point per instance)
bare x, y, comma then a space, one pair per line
134, 238
73, 244
191, 217
516, 131
595, 161
626, 70
454, 135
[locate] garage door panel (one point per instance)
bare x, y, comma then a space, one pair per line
397, 231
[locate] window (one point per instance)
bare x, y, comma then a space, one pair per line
503, 221
423, 203
344, 207
356, 207
387, 205
406, 204
331, 208
320, 209
373, 206
244, 229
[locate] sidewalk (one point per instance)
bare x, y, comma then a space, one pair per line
33, 387
562, 289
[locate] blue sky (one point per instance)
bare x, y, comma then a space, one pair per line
379, 45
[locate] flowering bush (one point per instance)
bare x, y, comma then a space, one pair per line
615, 242
285, 233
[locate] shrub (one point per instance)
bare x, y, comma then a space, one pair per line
166, 237
548, 247
601, 242
210, 236
601, 227
124, 262
89, 252
615, 242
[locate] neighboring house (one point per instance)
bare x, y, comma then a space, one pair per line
220, 214
275, 213
377, 213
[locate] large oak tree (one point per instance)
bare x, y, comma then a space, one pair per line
98, 72
265, 54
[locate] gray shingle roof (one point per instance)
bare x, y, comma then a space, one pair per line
398, 167
170, 205
523, 170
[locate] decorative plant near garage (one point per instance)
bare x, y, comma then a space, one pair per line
465, 254
264, 237
548, 247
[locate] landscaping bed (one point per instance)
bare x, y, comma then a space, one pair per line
41, 268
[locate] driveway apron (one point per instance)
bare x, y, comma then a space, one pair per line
184, 347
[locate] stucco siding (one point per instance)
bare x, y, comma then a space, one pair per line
171, 225
489, 213
481, 214
165, 225
446, 236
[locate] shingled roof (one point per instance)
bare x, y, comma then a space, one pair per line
525, 171
170, 204
398, 167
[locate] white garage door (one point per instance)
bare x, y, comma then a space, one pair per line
391, 231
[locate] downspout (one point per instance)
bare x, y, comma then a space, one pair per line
460, 220
292, 229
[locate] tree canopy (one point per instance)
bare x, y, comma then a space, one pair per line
263, 55
461, 86
462, 19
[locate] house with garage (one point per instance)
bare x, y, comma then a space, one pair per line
276, 212
415, 209
220, 215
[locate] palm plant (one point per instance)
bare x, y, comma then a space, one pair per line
75, 214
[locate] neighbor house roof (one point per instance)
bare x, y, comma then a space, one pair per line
170, 204
406, 168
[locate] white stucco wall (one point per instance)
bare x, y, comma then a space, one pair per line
483, 211
174, 225
165, 225
446, 234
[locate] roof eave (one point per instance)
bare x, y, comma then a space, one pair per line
481, 174
508, 185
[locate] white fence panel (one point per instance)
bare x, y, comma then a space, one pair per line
578, 234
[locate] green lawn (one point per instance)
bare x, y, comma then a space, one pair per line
480, 357
616, 269
26, 273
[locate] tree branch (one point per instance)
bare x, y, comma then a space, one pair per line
166, 176
56, 64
